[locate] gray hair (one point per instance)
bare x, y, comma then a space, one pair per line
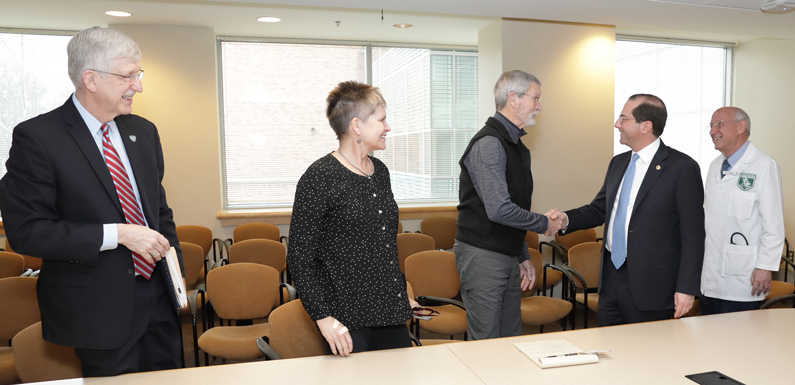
97, 48
516, 81
739, 115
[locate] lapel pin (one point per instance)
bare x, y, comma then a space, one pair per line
133, 138
658, 166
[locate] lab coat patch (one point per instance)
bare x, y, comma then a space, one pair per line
746, 181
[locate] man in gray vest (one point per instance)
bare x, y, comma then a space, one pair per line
495, 190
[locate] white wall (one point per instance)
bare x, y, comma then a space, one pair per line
764, 81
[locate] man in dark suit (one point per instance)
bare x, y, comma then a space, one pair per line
83, 192
651, 204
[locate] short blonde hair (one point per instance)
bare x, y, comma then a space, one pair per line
350, 100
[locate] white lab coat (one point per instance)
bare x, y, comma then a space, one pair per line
757, 213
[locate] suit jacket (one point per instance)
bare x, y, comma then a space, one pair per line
55, 198
665, 239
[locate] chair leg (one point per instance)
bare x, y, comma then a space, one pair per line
195, 343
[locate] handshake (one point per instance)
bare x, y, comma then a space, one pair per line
557, 221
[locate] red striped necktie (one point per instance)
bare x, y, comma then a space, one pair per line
132, 211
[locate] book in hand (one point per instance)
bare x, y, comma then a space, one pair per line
175, 282
555, 353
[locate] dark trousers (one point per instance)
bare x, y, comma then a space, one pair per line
378, 338
709, 305
154, 341
616, 306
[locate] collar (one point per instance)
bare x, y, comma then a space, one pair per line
514, 131
646, 154
92, 123
733, 158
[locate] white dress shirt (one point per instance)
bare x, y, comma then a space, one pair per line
645, 156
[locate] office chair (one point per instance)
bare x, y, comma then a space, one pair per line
11, 264
193, 259
39, 360
584, 263
239, 291
293, 334
19, 310
412, 322
411, 243
553, 276
434, 278
563, 243
540, 310
441, 229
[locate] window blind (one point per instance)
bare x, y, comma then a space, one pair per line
33, 80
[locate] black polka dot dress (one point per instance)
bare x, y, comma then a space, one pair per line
343, 251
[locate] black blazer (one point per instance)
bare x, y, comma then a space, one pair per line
55, 198
665, 241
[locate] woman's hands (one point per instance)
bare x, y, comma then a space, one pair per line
337, 335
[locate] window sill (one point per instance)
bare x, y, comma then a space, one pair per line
239, 217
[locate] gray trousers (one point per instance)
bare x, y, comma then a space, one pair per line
490, 290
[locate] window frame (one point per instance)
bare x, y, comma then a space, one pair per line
367, 45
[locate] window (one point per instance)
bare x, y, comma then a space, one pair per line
274, 123
692, 80
33, 80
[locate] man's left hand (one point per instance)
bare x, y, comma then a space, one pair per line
761, 281
528, 275
682, 304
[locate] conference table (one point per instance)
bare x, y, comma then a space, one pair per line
754, 347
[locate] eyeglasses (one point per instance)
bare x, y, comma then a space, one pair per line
424, 312
622, 119
536, 99
719, 124
129, 78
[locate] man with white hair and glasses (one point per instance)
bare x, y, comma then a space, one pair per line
744, 204
83, 193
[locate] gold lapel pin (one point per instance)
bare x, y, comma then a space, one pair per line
658, 167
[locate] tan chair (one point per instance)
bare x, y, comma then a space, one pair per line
197, 235
553, 276
193, 259
411, 243
434, 277
293, 334
32, 263
262, 251
531, 239
400, 227
256, 230
19, 310
584, 262
563, 243
11, 264
540, 310
441, 229
427, 341
782, 288
38, 360
239, 291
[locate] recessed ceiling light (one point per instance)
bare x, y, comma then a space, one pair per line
269, 19
402, 25
118, 13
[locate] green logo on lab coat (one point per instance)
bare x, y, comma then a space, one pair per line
746, 181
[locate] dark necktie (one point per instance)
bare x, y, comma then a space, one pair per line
132, 211
725, 167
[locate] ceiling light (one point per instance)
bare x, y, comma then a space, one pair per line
268, 19
402, 25
118, 13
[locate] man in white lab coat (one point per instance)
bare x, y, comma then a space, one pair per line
744, 218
